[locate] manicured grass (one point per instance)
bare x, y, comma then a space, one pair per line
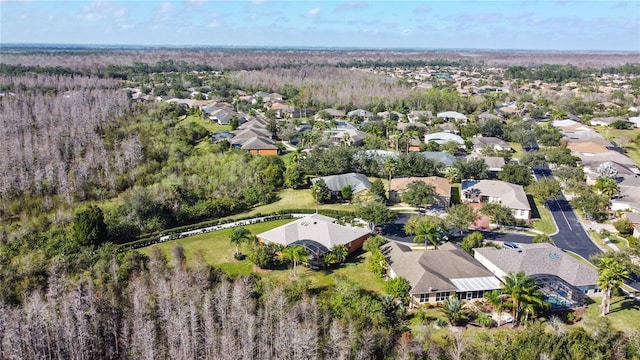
545, 222
517, 148
215, 249
624, 315
632, 150
212, 127
295, 199
620, 242
455, 194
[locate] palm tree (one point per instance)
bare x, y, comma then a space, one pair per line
295, 254
607, 186
521, 289
427, 232
499, 301
611, 274
341, 252
453, 308
239, 235
390, 167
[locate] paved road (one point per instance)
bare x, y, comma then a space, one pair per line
571, 235
395, 231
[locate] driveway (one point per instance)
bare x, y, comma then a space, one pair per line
395, 232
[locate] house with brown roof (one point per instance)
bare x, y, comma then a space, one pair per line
318, 234
259, 145
442, 188
590, 147
435, 275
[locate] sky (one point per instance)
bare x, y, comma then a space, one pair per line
498, 24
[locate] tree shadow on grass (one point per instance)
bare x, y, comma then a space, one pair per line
625, 304
535, 213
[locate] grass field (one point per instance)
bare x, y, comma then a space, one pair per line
625, 314
212, 127
542, 219
517, 148
615, 135
215, 249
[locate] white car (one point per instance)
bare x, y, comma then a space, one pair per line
506, 318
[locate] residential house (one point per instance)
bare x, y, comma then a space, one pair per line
494, 143
318, 234
635, 221
488, 116
628, 197
509, 195
387, 114
282, 110
435, 275
564, 280
587, 147
220, 116
443, 138
348, 136
494, 163
419, 116
361, 113
333, 114
452, 115
442, 187
260, 145
440, 156
335, 183
216, 137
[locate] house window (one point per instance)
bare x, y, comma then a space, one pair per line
424, 298
442, 296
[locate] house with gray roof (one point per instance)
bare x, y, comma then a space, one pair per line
495, 191
443, 138
564, 280
333, 113
605, 121
480, 142
452, 115
435, 275
318, 234
416, 116
494, 163
361, 113
335, 183
440, 156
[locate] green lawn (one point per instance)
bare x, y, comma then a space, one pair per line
455, 194
625, 314
216, 250
212, 127
517, 148
295, 199
544, 222
614, 135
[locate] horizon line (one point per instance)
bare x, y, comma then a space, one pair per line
294, 47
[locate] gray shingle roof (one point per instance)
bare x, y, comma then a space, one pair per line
313, 229
511, 195
537, 259
358, 182
446, 269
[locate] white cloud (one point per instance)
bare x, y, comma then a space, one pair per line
313, 12
406, 32
214, 24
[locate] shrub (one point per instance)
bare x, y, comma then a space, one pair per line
484, 320
624, 226
397, 287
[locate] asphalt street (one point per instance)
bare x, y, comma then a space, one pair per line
395, 231
571, 234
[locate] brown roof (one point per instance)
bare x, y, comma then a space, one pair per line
441, 185
587, 146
